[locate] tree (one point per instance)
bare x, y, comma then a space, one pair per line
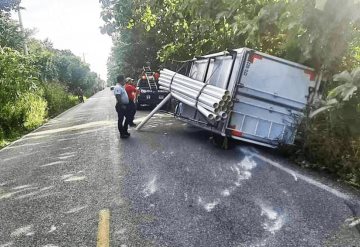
11, 35
180, 29
343, 104
8, 5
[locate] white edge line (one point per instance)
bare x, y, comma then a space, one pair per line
304, 178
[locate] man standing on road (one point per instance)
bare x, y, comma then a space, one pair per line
122, 102
131, 92
80, 94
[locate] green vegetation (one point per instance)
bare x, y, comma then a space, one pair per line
332, 135
39, 85
323, 34
57, 98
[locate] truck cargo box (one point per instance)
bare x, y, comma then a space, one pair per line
269, 95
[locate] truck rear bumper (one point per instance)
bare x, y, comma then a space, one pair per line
253, 141
150, 99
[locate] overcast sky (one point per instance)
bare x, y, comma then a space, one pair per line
73, 25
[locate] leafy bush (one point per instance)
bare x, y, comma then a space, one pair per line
28, 112
331, 150
20, 94
331, 137
58, 98
18, 75
33, 110
2, 135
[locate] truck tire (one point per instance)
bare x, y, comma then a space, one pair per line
222, 142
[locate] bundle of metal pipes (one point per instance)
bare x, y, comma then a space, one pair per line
213, 102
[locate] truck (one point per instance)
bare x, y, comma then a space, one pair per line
269, 95
148, 88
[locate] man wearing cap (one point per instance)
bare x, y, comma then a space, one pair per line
131, 92
122, 102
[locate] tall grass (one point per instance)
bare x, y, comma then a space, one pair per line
32, 109
58, 98
328, 145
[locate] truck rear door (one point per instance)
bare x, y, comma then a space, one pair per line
269, 99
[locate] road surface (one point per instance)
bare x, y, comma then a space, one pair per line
74, 182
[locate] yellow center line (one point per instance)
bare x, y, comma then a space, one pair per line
103, 237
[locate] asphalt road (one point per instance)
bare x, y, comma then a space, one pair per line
167, 185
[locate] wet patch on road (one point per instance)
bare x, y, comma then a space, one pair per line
23, 231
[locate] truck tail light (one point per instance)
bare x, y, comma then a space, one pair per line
311, 73
236, 133
254, 56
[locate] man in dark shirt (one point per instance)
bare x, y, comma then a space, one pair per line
131, 92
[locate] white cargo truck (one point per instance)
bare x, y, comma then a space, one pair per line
269, 95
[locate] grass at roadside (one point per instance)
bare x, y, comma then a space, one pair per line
27, 114
13, 136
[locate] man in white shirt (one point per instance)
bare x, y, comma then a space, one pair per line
121, 107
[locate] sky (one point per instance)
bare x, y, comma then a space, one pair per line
73, 25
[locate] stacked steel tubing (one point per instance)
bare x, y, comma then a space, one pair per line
213, 102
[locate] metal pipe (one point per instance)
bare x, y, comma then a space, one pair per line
190, 82
223, 114
194, 94
227, 106
211, 101
191, 85
224, 97
189, 102
161, 104
212, 109
174, 86
193, 103
183, 99
202, 110
188, 93
206, 113
170, 74
208, 99
228, 98
194, 87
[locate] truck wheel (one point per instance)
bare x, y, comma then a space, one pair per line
222, 142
